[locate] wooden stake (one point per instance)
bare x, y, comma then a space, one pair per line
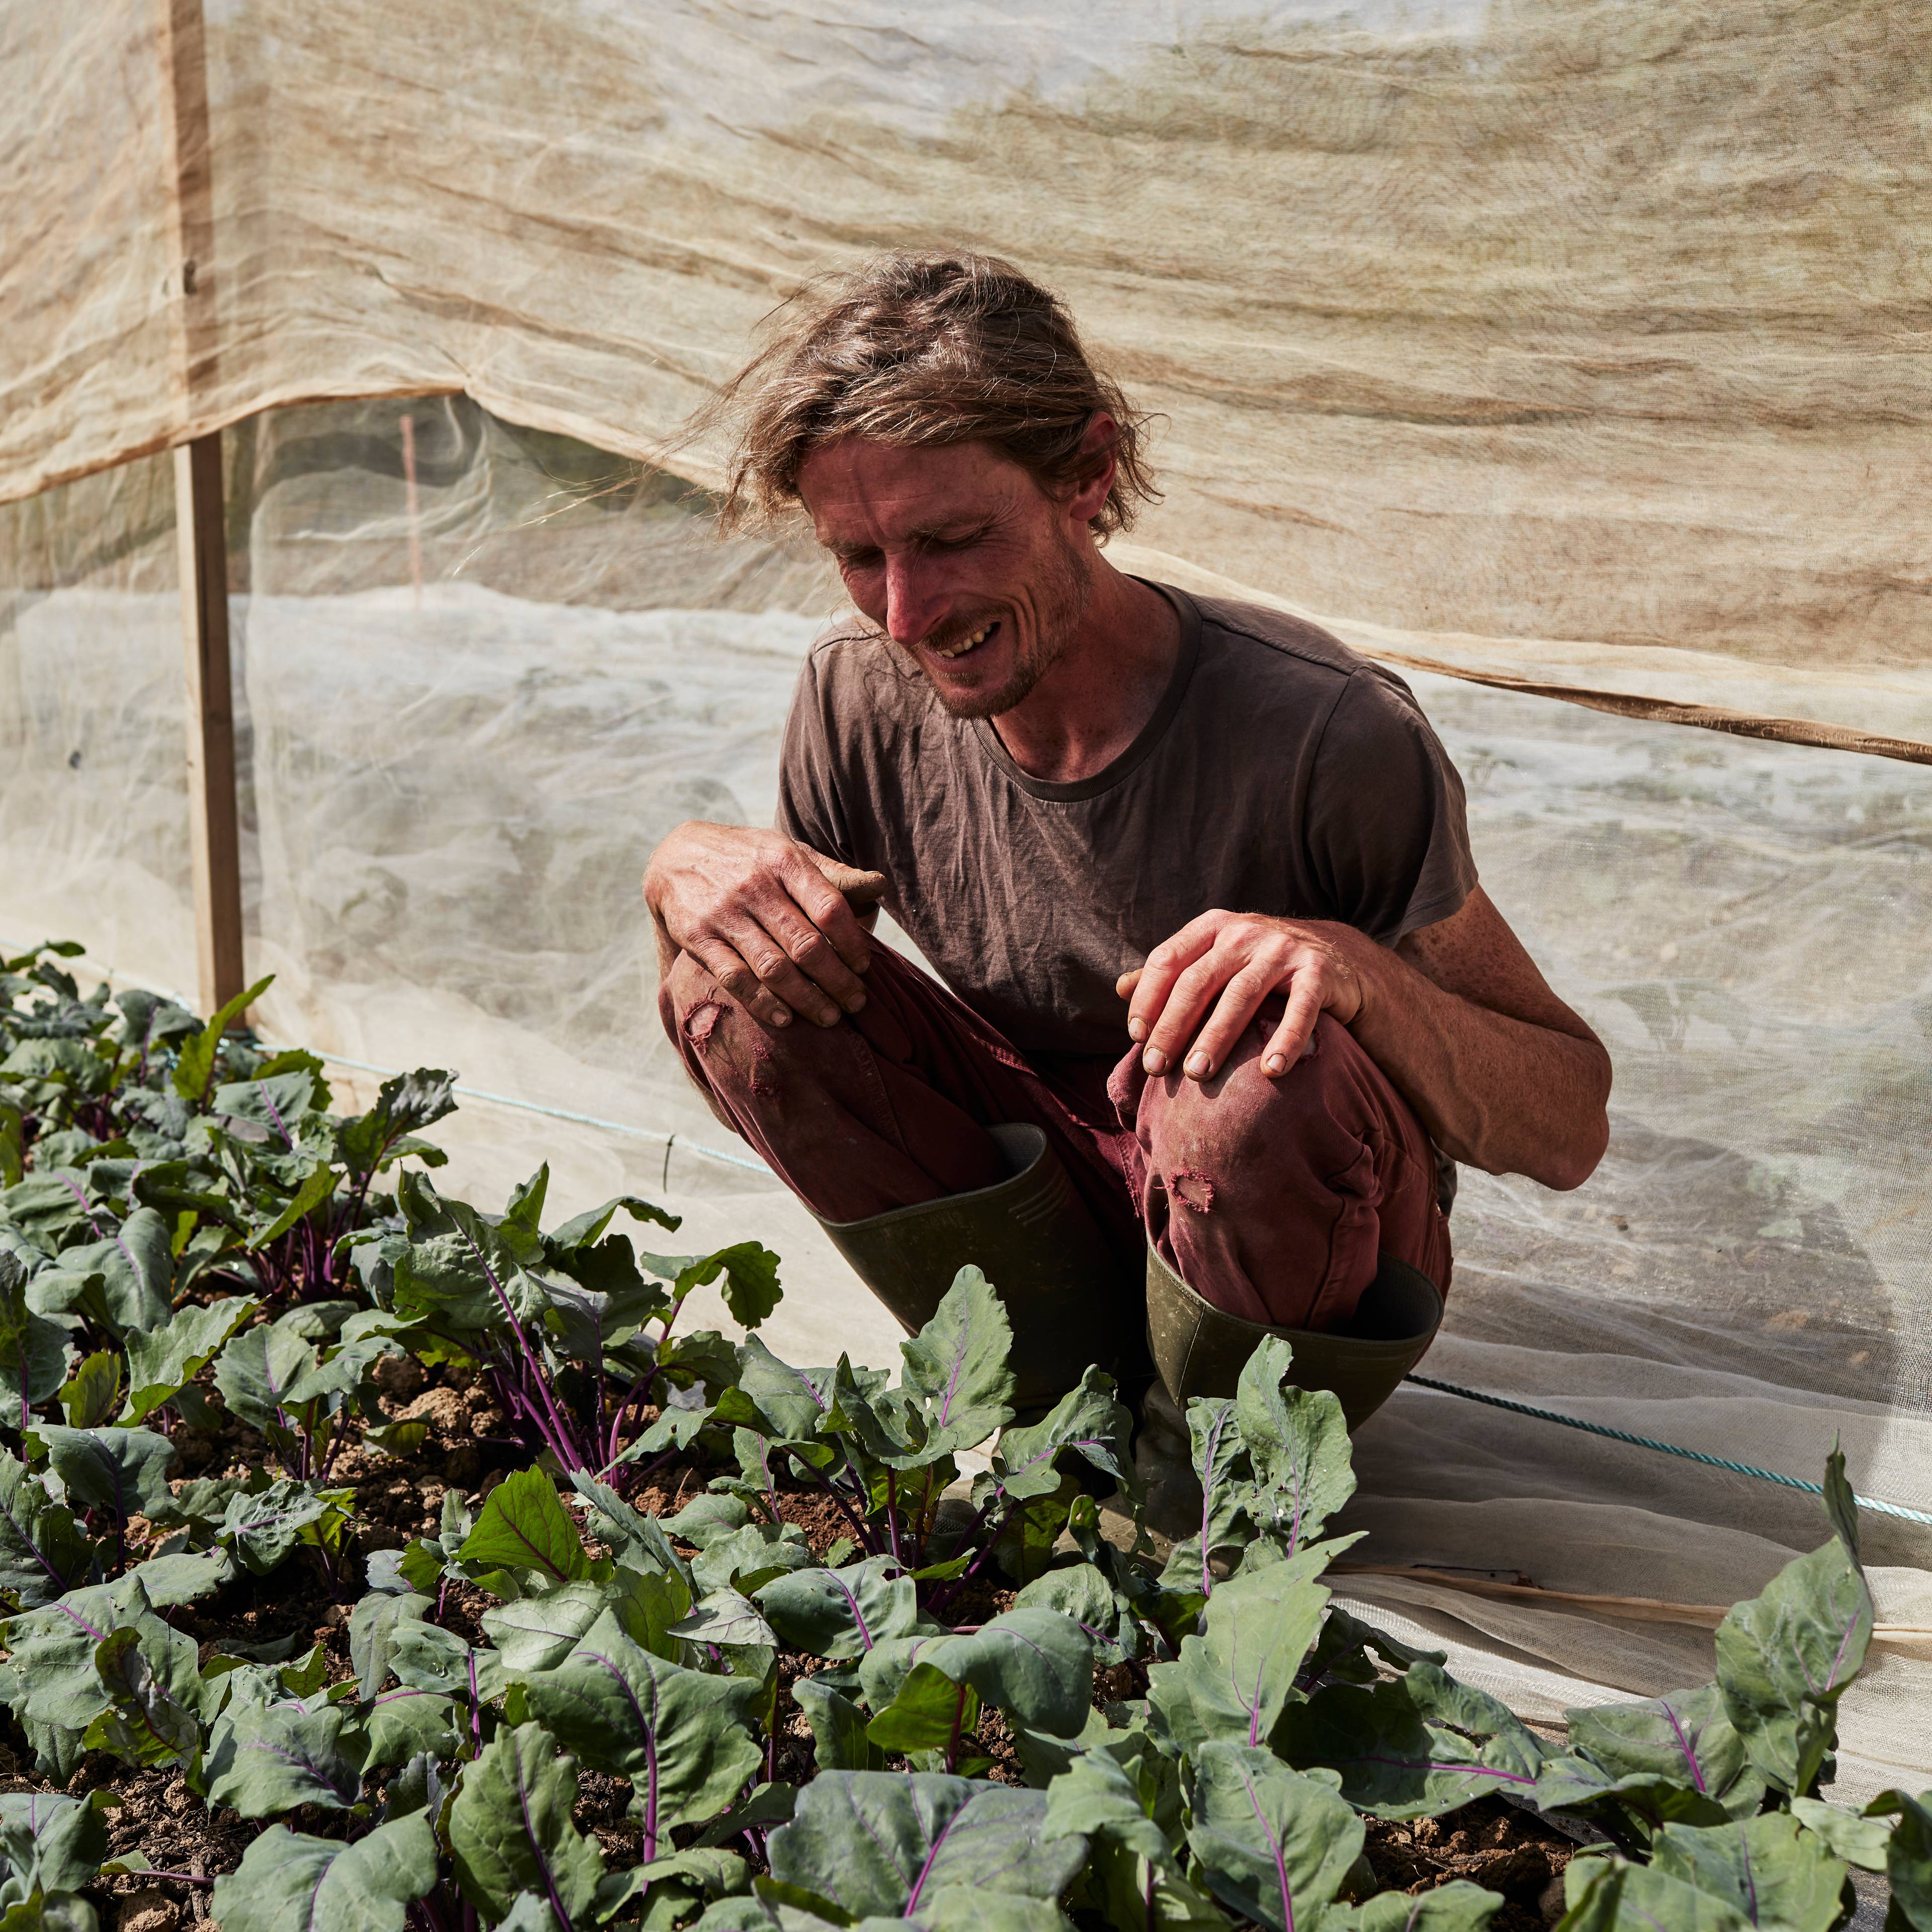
214, 823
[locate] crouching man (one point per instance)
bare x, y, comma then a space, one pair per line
1195, 878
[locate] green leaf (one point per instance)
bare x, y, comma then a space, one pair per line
262, 1529
43, 1550
163, 1361
288, 1882
1221, 1471
749, 1558
147, 1724
51, 1654
750, 1273
1785, 1657
840, 1739
1457, 1907
88, 1396
790, 1404
1273, 1846
33, 1350
1908, 1857
510, 1829
405, 1104
966, 1908
372, 1629
727, 1619
1413, 1748
403, 1724
55, 1844
842, 1613
426, 1656
264, 1759
1085, 1593
1769, 1867
877, 1844
1089, 1422
258, 1370
1234, 1681
524, 1525
397, 1438
1608, 1895
196, 1066
1035, 1665
124, 1470
1859, 1840
956, 1369
1678, 1756
1111, 1801
1297, 1444
317, 1189
685, 1738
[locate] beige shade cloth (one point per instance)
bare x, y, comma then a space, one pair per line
448, 796
1576, 344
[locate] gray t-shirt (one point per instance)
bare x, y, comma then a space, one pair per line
1280, 773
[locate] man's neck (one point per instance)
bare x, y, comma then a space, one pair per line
1105, 686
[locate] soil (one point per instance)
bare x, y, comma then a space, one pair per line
467, 1444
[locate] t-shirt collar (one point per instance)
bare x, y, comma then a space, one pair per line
1145, 740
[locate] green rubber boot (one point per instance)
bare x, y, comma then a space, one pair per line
1199, 1349
1034, 1238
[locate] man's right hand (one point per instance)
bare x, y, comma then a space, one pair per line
772, 920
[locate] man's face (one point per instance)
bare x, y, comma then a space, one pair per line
959, 558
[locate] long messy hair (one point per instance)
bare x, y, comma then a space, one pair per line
926, 350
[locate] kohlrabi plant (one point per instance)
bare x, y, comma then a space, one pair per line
974, 1703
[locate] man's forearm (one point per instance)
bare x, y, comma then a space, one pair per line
1509, 1096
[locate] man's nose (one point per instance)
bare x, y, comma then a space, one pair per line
915, 605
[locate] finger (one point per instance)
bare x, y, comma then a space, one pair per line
1164, 965
811, 952
832, 895
1123, 987
729, 968
767, 958
1193, 992
1240, 999
1307, 995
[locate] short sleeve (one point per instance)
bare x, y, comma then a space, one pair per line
1386, 819
808, 806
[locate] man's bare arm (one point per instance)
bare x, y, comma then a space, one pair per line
1502, 1073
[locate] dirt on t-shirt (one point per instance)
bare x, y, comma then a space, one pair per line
1280, 773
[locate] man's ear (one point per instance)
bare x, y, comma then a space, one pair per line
1096, 450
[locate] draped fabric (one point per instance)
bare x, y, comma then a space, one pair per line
1578, 342
1547, 350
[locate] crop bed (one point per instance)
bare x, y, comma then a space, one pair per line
369, 1561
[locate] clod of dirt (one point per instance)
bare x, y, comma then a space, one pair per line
444, 1409
398, 1377
150, 1909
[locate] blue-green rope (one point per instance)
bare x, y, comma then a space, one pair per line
1667, 1448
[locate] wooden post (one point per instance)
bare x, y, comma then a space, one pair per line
200, 520
215, 824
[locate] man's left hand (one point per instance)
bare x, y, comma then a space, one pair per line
1218, 968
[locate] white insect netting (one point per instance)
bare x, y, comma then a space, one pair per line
448, 798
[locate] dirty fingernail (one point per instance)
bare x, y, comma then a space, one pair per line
781, 1018
1276, 1064
1137, 1029
857, 1003
1199, 1065
1154, 1060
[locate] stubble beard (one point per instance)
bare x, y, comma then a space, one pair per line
1066, 588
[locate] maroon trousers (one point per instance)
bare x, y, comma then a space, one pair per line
1269, 1198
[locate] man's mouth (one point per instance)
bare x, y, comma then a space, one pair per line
971, 643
